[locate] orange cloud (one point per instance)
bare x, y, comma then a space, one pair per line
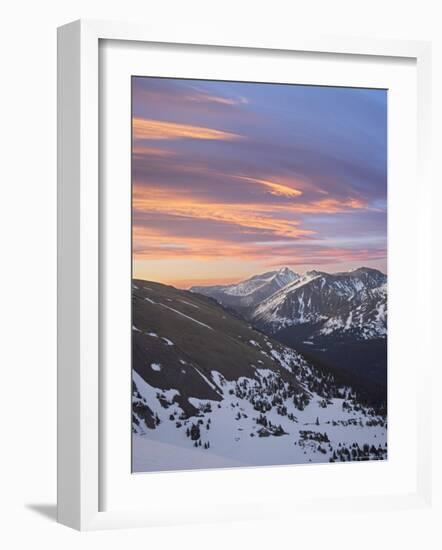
328, 206
194, 94
277, 189
143, 150
155, 243
154, 199
272, 229
145, 128
152, 244
254, 216
274, 188
149, 243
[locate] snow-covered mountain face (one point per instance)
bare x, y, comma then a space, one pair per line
251, 292
364, 316
337, 320
211, 391
353, 303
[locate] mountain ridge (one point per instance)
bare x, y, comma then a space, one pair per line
251, 291
352, 301
345, 300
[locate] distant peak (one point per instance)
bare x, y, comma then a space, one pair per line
362, 268
286, 275
368, 270
286, 271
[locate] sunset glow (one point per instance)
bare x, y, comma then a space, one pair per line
231, 179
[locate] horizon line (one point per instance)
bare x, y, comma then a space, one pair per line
237, 281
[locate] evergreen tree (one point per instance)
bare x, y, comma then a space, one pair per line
195, 432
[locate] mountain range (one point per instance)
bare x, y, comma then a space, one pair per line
337, 320
352, 302
249, 293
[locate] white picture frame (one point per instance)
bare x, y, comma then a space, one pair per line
80, 438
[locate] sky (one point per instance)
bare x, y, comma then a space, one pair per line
231, 179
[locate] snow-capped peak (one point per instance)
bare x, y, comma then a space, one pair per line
278, 279
251, 291
285, 276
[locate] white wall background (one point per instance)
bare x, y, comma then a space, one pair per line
28, 276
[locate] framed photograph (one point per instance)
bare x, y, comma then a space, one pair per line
239, 227
237, 359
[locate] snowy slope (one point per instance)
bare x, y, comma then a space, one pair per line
365, 315
210, 391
